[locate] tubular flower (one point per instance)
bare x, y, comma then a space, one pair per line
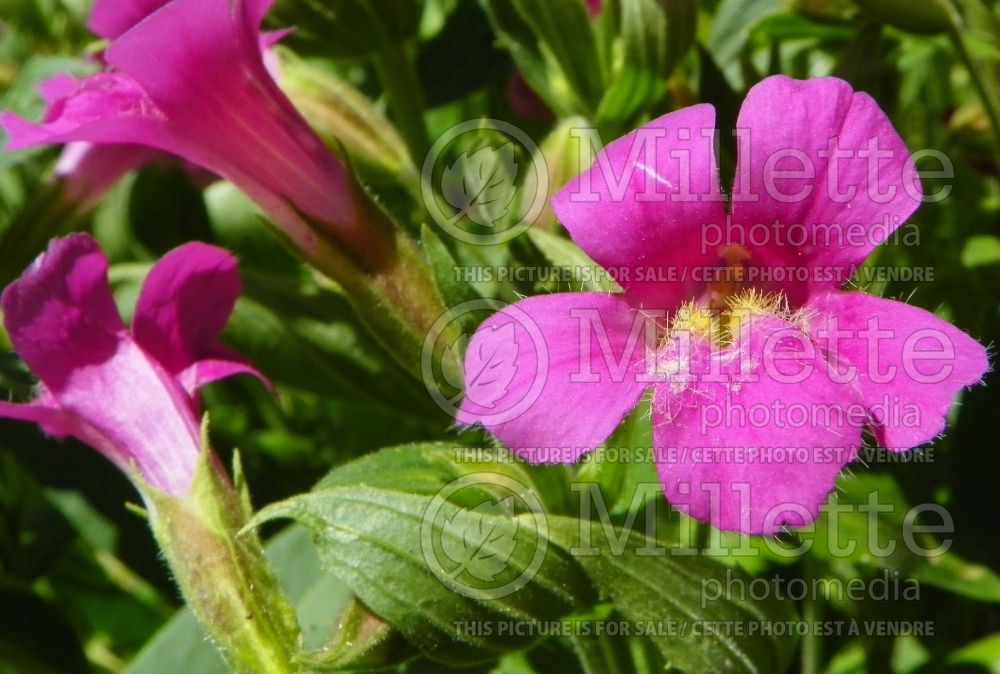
111, 18
763, 371
210, 99
129, 394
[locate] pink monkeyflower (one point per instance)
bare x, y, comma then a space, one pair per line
129, 394
190, 79
763, 371
89, 170
111, 18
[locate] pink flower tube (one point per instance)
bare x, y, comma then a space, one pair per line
763, 371
207, 98
128, 394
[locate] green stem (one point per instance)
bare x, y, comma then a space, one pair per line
986, 92
401, 84
812, 611
223, 575
387, 280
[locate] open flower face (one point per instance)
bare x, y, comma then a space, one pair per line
128, 394
763, 372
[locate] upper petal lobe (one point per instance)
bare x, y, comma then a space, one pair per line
822, 179
642, 210
60, 313
185, 303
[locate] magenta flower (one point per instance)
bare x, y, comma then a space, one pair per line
763, 371
130, 395
207, 98
111, 18
89, 171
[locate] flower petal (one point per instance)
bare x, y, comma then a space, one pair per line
538, 378
907, 363
53, 420
835, 209
91, 170
642, 210
60, 424
107, 108
205, 372
214, 85
60, 313
185, 303
63, 322
752, 438
111, 18
145, 416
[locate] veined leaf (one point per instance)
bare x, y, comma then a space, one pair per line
375, 541
664, 596
554, 46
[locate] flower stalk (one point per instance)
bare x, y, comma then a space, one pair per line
222, 573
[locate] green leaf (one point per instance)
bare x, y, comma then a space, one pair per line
424, 468
346, 119
452, 288
481, 540
985, 652
361, 641
554, 46
562, 252
567, 39
651, 590
873, 521
981, 251
734, 21
373, 539
655, 34
619, 655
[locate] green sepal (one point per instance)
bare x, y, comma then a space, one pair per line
362, 642
221, 571
346, 119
